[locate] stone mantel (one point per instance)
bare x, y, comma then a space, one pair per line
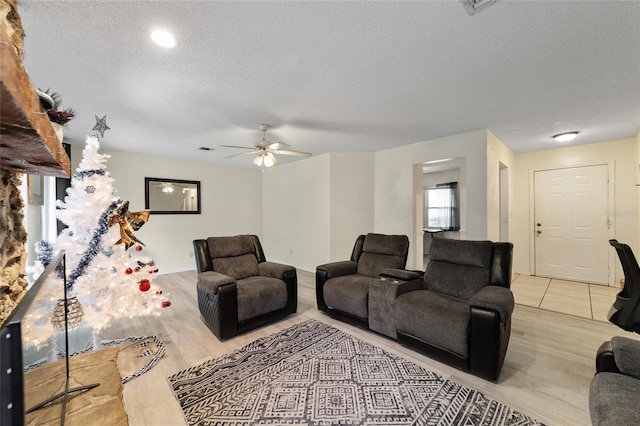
28, 143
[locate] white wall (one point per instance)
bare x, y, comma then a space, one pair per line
637, 178
309, 212
296, 212
622, 153
352, 206
314, 209
395, 186
231, 203
497, 153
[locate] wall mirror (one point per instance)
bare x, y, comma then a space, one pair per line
171, 196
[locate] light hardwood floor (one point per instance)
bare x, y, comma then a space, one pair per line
569, 297
549, 364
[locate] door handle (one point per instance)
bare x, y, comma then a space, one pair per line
538, 232
538, 224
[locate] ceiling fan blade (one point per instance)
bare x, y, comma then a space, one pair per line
243, 153
296, 153
241, 147
277, 145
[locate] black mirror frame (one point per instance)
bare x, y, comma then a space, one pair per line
149, 180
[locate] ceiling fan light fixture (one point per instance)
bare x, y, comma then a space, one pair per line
474, 6
167, 189
163, 38
565, 137
269, 159
265, 149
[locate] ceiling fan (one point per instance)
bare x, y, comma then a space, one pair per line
265, 150
169, 187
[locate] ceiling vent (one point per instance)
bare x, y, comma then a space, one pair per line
474, 6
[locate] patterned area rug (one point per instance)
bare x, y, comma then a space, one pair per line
314, 374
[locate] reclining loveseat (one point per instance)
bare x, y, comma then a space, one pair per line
458, 311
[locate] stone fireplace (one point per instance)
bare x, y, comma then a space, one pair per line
27, 145
13, 239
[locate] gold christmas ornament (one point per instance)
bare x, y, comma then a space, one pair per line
129, 222
74, 314
137, 219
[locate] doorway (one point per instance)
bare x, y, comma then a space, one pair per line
428, 175
571, 224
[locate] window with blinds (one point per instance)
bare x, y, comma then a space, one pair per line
441, 207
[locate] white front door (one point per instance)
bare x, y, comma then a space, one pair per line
571, 224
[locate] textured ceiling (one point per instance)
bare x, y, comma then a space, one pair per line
337, 76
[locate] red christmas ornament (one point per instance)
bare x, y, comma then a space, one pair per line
128, 271
144, 285
138, 248
166, 304
137, 268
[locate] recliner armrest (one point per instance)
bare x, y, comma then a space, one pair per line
494, 297
209, 281
627, 355
400, 274
273, 269
338, 269
605, 361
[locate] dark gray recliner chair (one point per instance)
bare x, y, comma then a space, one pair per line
462, 314
614, 393
615, 390
238, 290
342, 288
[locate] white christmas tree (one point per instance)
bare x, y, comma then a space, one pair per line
106, 280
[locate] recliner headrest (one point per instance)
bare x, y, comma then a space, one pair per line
230, 246
462, 252
391, 245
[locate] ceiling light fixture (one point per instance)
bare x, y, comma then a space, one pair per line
168, 189
474, 6
565, 137
265, 150
164, 38
265, 159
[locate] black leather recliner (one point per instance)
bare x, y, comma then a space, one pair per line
238, 289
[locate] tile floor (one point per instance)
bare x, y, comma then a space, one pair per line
569, 297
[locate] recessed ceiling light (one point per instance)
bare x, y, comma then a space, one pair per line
566, 137
163, 38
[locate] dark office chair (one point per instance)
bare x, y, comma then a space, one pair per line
625, 312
